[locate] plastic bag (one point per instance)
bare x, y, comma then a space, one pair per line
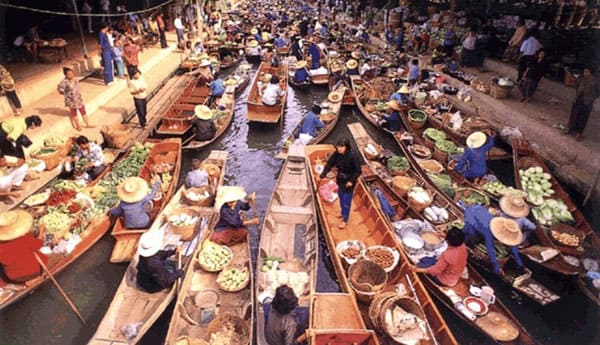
511, 133
456, 121
130, 331
328, 191
463, 93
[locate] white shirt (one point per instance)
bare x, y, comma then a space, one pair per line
138, 84
530, 46
364, 69
271, 93
178, 24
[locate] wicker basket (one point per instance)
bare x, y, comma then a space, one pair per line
242, 286
418, 206
415, 123
429, 143
399, 172
498, 91
52, 160
408, 304
186, 232
240, 326
366, 279
199, 190
439, 155
185, 340
461, 193
116, 136
402, 184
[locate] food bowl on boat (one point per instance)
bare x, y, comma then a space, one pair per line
384, 256
350, 250
475, 305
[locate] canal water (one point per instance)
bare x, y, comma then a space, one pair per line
44, 318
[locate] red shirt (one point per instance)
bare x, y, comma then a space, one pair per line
16, 257
450, 265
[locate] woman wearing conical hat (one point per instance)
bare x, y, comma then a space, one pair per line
231, 228
473, 163
203, 123
135, 198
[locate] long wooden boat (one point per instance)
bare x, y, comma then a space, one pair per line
175, 121
525, 157
367, 225
11, 293
304, 86
348, 96
361, 89
189, 320
168, 152
289, 233
133, 306
446, 295
259, 112
320, 79
517, 280
330, 119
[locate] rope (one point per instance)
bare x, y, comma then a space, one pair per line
39, 10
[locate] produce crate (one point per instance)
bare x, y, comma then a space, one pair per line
500, 92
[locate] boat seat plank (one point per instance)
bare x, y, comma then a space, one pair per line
291, 210
124, 250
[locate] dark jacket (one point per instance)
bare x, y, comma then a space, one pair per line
229, 218
205, 129
284, 329
156, 273
348, 169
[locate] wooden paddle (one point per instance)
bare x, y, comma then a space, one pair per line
62, 292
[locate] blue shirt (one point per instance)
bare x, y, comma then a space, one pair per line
352, 71
217, 87
473, 163
301, 75
323, 30
389, 36
310, 124
315, 53
393, 121
279, 42
477, 222
400, 98
134, 214
196, 178
413, 72
229, 218
104, 42
399, 38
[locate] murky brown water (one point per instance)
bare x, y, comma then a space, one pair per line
44, 319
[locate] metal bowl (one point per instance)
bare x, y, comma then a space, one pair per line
412, 242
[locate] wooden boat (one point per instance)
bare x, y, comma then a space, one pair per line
348, 96
446, 295
11, 293
187, 320
167, 151
367, 225
289, 232
525, 157
517, 280
320, 79
133, 306
175, 121
236, 58
330, 119
362, 91
304, 87
257, 111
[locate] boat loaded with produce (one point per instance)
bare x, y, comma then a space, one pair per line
163, 162
456, 188
71, 217
561, 224
289, 242
371, 101
215, 302
259, 112
371, 266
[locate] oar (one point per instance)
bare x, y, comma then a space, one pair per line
412, 288
62, 292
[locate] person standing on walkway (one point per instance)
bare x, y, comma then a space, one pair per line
69, 87
533, 75
105, 6
7, 85
512, 51
528, 49
131, 56
161, 30
107, 55
585, 94
118, 57
180, 30
87, 9
348, 171
137, 87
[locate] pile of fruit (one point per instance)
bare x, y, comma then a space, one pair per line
214, 257
233, 278
271, 263
552, 212
537, 184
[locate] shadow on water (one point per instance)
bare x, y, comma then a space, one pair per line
44, 319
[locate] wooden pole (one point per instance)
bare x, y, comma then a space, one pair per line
199, 18
60, 289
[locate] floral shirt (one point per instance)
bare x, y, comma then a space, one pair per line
70, 88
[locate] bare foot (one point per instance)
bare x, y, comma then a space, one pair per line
342, 225
578, 136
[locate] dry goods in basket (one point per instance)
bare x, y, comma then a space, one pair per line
381, 256
565, 238
351, 252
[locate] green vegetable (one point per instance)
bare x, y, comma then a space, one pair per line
445, 146
473, 197
434, 134
417, 115
45, 151
551, 212
444, 183
494, 187
56, 221
397, 163
537, 184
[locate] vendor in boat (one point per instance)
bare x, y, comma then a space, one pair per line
272, 95
18, 247
348, 171
402, 96
310, 125
155, 272
253, 48
301, 75
203, 123
515, 207
279, 42
231, 228
12, 135
351, 67
217, 89
315, 54
392, 122
201, 174
135, 200
91, 152
284, 320
267, 53
337, 75
482, 226
12, 174
203, 72
296, 48
450, 265
473, 163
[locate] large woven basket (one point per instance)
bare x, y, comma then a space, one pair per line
52, 160
116, 136
498, 91
186, 232
418, 206
199, 190
241, 328
402, 184
366, 279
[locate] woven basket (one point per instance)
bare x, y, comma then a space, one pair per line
429, 143
199, 190
439, 155
416, 123
402, 184
401, 172
185, 340
241, 287
461, 193
116, 136
241, 327
64, 149
418, 206
408, 304
186, 232
366, 279
500, 92
51, 160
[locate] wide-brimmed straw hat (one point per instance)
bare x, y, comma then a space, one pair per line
211, 169
476, 140
267, 77
203, 56
204, 63
334, 97
404, 89
202, 112
14, 224
394, 105
506, 230
514, 206
351, 64
498, 326
253, 31
300, 64
133, 189
231, 81
150, 243
227, 194
355, 55
252, 44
